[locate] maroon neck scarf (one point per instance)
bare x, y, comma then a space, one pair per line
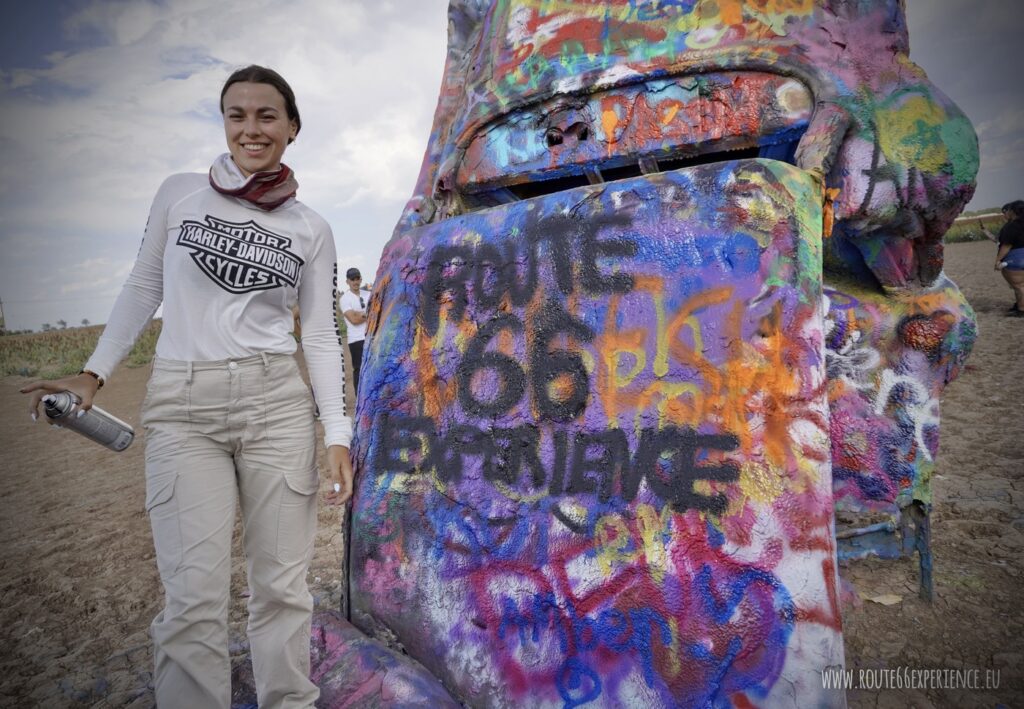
267, 190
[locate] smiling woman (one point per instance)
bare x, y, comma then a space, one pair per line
260, 118
227, 415
257, 128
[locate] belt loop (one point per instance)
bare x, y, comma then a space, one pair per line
266, 360
188, 372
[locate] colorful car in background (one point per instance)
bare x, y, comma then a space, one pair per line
666, 304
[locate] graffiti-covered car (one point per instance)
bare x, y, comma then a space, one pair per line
668, 291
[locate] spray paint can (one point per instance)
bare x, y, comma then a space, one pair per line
95, 424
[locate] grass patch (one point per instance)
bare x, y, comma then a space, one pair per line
967, 229
58, 353
145, 347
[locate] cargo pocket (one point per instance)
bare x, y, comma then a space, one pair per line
162, 507
296, 521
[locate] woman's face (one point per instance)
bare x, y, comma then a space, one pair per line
256, 126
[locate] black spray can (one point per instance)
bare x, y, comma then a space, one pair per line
95, 424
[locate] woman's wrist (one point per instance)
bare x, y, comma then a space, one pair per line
94, 375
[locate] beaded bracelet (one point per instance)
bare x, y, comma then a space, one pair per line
95, 376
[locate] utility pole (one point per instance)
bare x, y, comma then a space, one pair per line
3, 323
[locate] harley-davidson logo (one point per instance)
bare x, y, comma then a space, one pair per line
240, 258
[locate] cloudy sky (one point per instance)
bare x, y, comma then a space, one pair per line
102, 99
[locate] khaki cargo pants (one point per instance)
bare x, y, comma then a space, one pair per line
216, 432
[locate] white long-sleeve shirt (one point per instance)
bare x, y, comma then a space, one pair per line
226, 271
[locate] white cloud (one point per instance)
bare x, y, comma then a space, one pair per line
1001, 141
1009, 122
97, 276
88, 139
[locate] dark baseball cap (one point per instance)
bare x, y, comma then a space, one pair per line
352, 273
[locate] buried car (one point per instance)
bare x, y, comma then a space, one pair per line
667, 302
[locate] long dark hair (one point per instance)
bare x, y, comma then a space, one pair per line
262, 75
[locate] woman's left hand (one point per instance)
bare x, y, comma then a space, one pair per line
339, 472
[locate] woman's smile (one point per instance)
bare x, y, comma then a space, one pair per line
256, 126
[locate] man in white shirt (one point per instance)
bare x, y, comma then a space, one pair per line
353, 307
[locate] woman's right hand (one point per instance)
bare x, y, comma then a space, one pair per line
339, 471
84, 386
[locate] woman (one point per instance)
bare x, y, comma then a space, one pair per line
1010, 256
226, 413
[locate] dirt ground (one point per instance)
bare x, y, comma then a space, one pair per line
976, 621
79, 583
